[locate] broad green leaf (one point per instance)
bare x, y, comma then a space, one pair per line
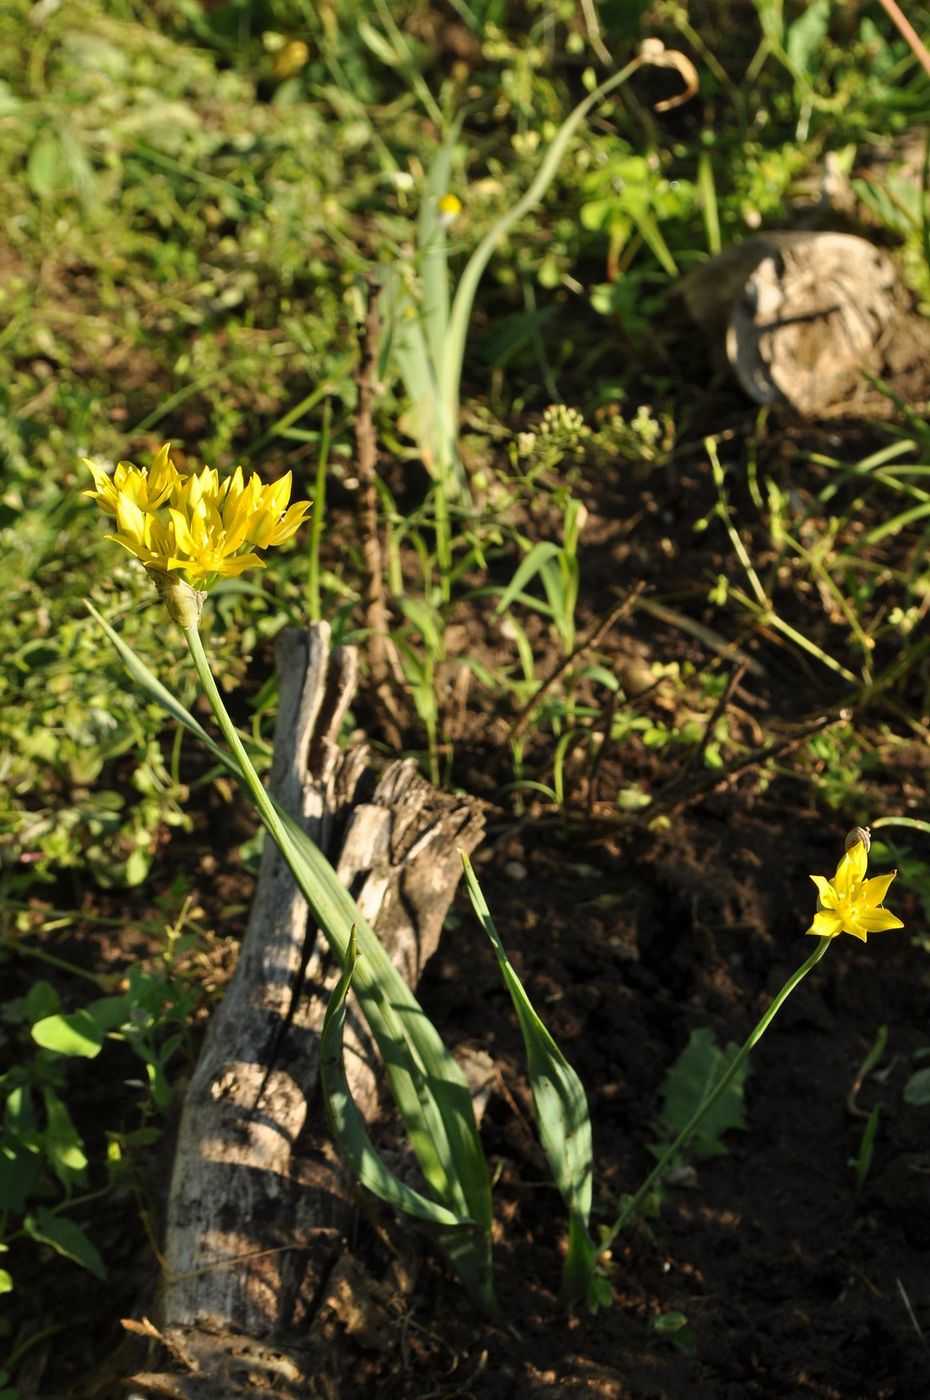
41, 1000
67, 1238
21, 1176
562, 1115
804, 38
917, 1089
19, 1115
64, 1147
47, 170
74, 1034
6, 1286
673, 1327
606, 215
688, 1082
110, 1012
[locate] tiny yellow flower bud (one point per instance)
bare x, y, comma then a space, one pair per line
450, 207
289, 60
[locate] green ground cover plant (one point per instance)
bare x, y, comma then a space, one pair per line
203, 207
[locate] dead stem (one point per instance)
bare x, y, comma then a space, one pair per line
383, 663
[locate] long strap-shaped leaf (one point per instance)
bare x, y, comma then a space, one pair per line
563, 1120
460, 317
433, 257
460, 1239
429, 1086
347, 1124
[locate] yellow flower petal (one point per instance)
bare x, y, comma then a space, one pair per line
849, 903
873, 891
130, 518
853, 924
828, 895
293, 519
104, 492
879, 920
851, 869
202, 525
827, 924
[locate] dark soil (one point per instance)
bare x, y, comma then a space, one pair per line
793, 1283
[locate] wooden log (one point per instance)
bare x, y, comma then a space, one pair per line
258, 1204
805, 317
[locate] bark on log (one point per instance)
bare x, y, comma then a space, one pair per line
258, 1205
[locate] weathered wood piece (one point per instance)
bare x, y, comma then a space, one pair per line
805, 317
258, 1205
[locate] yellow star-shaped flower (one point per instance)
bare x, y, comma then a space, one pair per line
147, 489
849, 903
200, 527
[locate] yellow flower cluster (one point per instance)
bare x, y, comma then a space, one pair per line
199, 527
849, 903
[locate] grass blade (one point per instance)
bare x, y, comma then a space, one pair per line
562, 1115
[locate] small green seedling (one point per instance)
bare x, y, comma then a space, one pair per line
862, 1162
672, 1327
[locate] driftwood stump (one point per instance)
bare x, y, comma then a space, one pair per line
804, 318
259, 1205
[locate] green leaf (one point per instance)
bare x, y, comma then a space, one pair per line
433, 261
110, 1012
41, 1000
6, 1286
66, 1238
804, 39
408, 334
917, 1089
691, 1078
527, 569
673, 1327
74, 1034
421, 616
346, 1123
64, 1147
379, 46
563, 1119
47, 170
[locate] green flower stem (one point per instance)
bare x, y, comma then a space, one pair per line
633, 1204
253, 782
16, 945
450, 369
915, 823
